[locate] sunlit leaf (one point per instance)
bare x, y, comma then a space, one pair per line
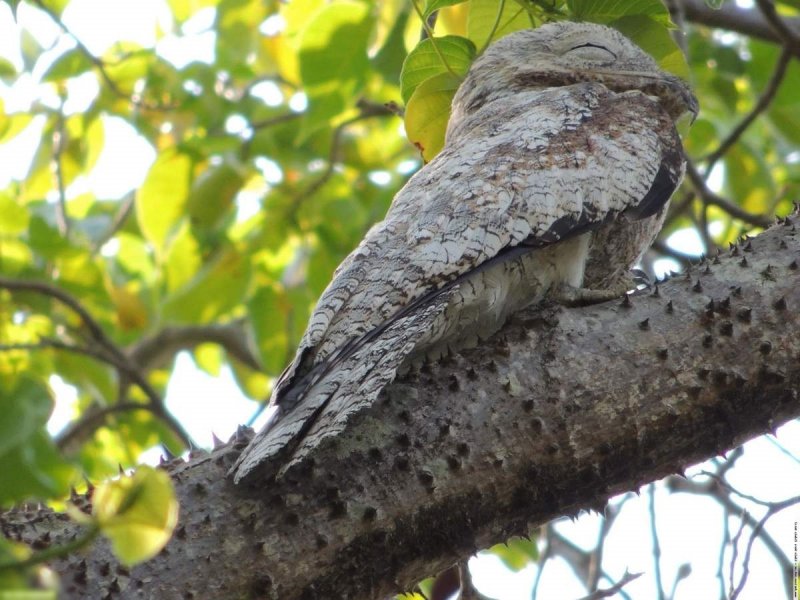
183, 9
215, 289
14, 218
7, 68
428, 111
161, 200
137, 513
605, 11
517, 553
485, 24
450, 54
434, 5
70, 64
182, 258
131, 311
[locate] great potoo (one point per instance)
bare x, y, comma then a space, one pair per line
560, 158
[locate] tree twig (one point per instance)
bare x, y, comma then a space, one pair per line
712, 199
99, 64
110, 352
784, 31
615, 589
731, 17
763, 103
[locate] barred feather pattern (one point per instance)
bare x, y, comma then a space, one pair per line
560, 158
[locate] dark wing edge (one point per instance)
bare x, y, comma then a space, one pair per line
255, 463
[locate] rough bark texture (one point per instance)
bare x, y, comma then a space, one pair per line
563, 409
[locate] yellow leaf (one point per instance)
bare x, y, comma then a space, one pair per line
428, 111
131, 312
137, 513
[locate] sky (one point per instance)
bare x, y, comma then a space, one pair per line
689, 527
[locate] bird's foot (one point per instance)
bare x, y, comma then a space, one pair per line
572, 296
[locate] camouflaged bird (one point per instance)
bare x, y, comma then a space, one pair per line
560, 158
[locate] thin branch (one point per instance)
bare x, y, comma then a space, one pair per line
651, 490
124, 210
111, 353
721, 494
92, 420
99, 64
59, 143
732, 18
784, 31
159, 348
773, 510
763, 103
368, 110
615, 589
712, 199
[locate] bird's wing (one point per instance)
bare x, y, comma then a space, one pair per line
524, 174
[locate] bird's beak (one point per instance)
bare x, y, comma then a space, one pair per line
675, 96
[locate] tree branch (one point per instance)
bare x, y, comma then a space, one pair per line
488, 444
106, 350
732, 18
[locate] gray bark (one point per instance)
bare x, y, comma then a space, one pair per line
560, 411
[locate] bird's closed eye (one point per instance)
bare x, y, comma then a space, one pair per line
592, 52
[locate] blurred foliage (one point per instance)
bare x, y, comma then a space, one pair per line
272, 158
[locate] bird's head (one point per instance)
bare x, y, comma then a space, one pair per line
565, 53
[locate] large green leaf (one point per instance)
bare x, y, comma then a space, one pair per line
485, 23
29, 462
433, 56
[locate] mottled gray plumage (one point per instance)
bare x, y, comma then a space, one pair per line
560, 158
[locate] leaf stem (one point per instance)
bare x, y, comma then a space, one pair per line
429, 33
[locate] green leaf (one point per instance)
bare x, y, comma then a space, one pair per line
14, 217
434, 5
655, 39
333, 59
182, 258
6, 68
161, 199
217, 288
517, 553
213, 192
12, 125
389, 59
138, 513
30, 464
748, 180
485, 25
94, 143
183, 9
70, 64
428, 112
449, 54
605, 11
268, 310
